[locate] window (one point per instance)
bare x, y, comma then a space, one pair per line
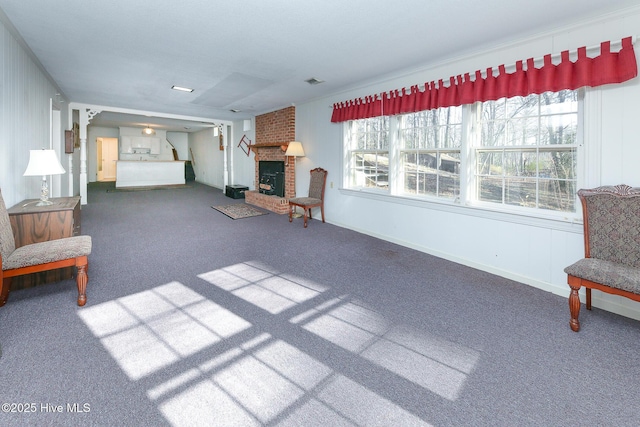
526, 154
513, 153
368, 153
430, 144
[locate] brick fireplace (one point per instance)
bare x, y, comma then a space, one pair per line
274, 131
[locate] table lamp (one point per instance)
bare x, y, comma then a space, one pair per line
294, 149
42, 163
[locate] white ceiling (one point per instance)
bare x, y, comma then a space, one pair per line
255, 55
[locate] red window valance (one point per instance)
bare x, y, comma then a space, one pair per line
608, 67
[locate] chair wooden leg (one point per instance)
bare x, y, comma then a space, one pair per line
5, 287
291, 208
588, 298
305, 217
322, 212
574, 308
82, 280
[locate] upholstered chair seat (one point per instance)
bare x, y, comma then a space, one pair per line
45, 252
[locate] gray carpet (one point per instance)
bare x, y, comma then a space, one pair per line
193, 319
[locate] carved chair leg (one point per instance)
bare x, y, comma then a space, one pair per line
82, 280
305, 217
574, 308
588, 298
5, 287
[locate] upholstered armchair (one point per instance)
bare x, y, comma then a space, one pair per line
42, 256
315, 199
611, 263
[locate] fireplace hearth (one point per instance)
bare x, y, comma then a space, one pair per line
271, 178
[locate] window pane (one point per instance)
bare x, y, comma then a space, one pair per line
520, 106
493, 110
427, 170
522, 131
368, 142
557, 195
490, 189
565, 101
562, 129
490, 162
451, 136
530, 141
520, 192
520, 163
493, 133
449, 174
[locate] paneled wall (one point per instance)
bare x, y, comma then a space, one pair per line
26, 96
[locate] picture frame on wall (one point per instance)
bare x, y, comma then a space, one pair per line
69, 141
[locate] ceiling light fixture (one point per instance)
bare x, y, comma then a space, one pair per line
233, 110
182, 89
148, 131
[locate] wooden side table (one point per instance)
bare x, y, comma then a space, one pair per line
32, 224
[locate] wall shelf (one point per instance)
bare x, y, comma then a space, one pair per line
283, 145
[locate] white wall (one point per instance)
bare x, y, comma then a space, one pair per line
529, 250
180, 141
25, 97
243, 165
207, 158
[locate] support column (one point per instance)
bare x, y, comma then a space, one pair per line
86, 115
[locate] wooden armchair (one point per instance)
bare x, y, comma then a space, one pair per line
42, 256
611, 260
315, 198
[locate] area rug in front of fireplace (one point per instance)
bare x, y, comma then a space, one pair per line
239, 211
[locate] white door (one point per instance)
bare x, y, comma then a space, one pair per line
107, 158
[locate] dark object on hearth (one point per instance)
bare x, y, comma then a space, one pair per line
271, 178
315, 198
235, 191
189, 173
272, 184
611, 263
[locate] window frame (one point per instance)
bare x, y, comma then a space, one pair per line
470, 135
474, 147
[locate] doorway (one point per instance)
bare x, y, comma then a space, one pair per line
107, 149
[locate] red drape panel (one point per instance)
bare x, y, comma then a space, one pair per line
608, 67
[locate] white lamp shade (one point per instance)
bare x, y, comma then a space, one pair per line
294, 149
42, 163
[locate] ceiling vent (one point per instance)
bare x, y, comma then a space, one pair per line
313, 81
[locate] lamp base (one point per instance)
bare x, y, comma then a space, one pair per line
44, 194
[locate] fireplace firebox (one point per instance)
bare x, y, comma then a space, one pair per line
271, 178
